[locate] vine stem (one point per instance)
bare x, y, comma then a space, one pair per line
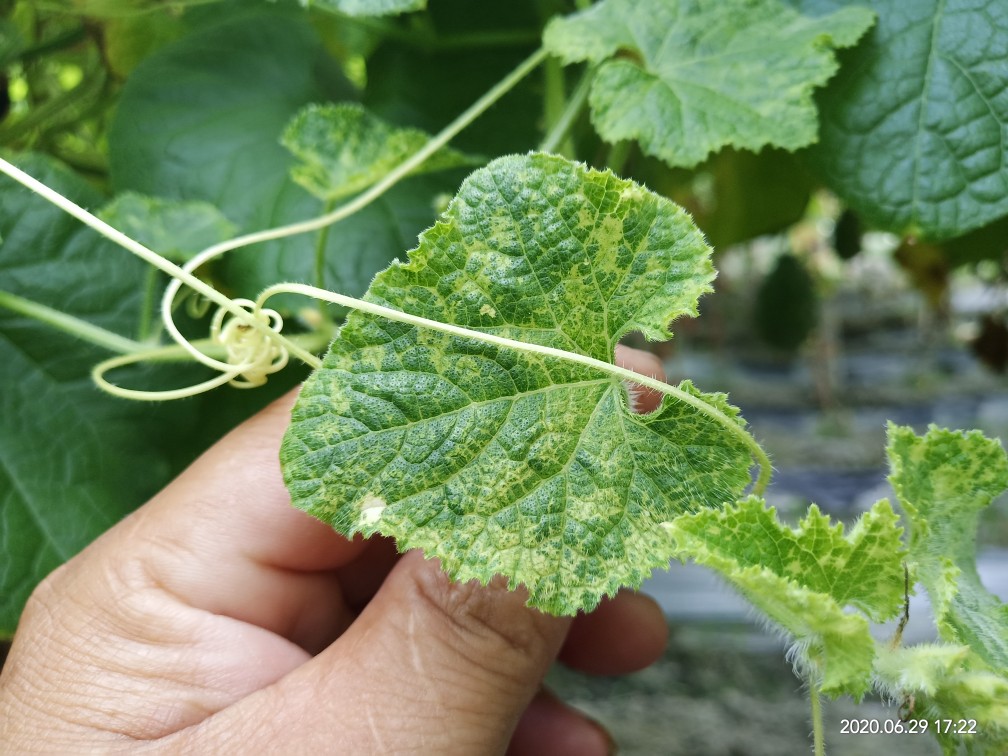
817, 721
563, 124
606, 367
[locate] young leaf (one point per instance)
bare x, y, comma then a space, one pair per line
685, 79
915, 124
944, 480
501, 461
343, 149
803, 579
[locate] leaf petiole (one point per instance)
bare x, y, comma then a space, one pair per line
560, 129
70, 324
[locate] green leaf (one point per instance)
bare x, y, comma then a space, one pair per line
499, 461
175, 229
734, 195
73, 461
686, 78
803, 579
367, 7
201, 118
343, 149
944, 480
914, 126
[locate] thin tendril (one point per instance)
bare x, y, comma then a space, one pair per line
607, 367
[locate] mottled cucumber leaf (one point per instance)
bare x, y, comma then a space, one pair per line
173, 228
367, 7
944, 480
685, 79
497, 460
915, 124
343, 149
804, 579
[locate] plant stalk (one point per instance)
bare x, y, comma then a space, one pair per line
818, 742
555, 140
70, 325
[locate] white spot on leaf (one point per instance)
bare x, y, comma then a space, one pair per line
371, 510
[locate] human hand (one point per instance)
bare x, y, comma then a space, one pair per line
217, 618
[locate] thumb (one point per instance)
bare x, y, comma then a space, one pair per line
430, 665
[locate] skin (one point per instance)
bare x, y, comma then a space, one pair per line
216, 618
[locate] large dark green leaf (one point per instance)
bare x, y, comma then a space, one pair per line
72, 460
915, 125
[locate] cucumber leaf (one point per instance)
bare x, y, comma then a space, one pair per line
685, 79
944, 480
500, 461
915, 124
343, 149
803, 580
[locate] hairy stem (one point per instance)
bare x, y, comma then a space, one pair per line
817, 721
606, 367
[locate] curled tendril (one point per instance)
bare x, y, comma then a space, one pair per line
197, 305
255, 353
251, 354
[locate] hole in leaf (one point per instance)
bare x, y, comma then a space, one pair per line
640, 399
